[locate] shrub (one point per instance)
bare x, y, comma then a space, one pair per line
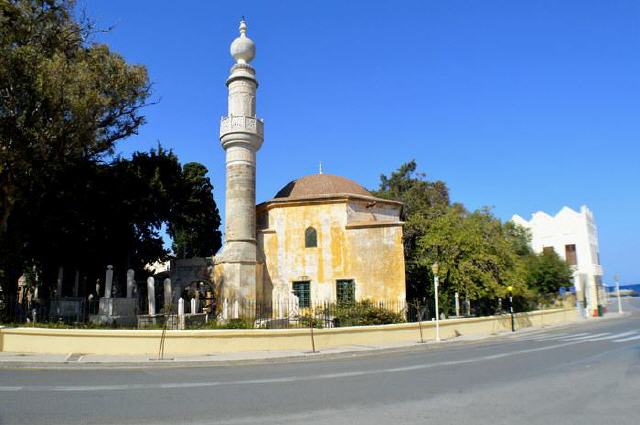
363, 313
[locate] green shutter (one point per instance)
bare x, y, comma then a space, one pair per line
346, 291
301, 290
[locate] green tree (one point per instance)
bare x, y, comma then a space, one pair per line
423, 201
547, 273
64, 102
195, 221
476, 255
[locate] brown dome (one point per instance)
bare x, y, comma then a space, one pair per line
321, 185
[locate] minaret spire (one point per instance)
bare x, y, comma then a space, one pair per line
241, 135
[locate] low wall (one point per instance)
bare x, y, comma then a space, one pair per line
107, 341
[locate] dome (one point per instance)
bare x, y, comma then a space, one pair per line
321, 185
243, 48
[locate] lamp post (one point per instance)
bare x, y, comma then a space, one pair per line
617, 277
434, 268
513, 322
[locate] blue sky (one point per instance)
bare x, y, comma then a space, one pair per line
523, 106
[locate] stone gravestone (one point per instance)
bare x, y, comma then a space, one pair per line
225, 309
108, 282
59, 282
121, 311
236, 309
167, 295
181, 321
76, 283
151, 295
130, 283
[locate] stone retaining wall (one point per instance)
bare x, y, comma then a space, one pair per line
137, 342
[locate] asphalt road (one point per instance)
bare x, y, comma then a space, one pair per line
583, 374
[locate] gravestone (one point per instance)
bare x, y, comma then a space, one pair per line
108, 282
121, 311
181, 321
167, 295
59, 282
130, 283
151, 295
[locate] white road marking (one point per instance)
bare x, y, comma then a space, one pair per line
620, 335
563, 336
586, 337
631, 338
288, 379
541, 337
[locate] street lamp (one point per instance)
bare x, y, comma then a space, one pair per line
434, 268
617, 277
513, 322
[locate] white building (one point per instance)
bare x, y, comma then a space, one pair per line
573, 236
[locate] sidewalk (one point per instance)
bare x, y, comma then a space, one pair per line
81, 360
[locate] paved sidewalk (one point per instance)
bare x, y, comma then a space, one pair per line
82, 360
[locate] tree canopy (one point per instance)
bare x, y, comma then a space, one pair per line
65, 102
478, 255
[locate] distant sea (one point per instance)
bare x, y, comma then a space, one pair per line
634, 287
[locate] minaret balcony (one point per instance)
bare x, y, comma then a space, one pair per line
241, 124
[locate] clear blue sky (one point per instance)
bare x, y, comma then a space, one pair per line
520, 105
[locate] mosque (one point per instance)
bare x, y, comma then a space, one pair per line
322, 238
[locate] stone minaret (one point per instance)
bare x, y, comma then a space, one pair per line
241, 135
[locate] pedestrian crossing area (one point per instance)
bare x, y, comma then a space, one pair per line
627, 336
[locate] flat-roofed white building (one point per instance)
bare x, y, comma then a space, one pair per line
573, 235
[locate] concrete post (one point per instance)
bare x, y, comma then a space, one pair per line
130, 282
108, 282
193, 306
457, 296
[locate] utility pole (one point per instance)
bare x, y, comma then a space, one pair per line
617, 278
513, 322
436, 278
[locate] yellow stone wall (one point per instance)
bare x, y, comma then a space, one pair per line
350, 246
138, 342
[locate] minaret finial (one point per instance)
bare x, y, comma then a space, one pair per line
242, 49
243, 26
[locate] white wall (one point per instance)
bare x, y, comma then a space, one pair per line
565, 228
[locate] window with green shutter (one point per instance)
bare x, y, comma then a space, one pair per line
310, 238
346, 291
301, 290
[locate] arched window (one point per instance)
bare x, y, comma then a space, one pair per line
310, 238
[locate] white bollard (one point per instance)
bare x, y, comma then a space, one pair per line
193, 306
